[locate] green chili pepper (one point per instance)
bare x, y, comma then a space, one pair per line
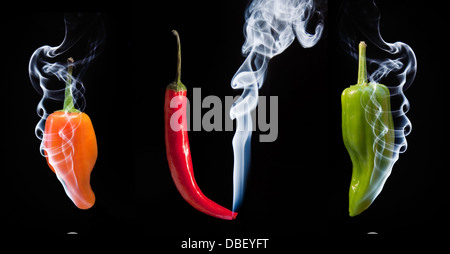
368, 133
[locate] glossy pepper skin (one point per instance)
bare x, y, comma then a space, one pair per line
71, 151
368, 134
70, 146
178, 150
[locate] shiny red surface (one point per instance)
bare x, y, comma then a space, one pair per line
179, 157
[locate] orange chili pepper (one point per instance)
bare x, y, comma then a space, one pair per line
70, 147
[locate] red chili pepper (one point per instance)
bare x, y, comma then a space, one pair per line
178, 150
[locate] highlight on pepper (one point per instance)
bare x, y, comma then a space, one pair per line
178, 150
70, 148
376, 150
69, 142
369, 136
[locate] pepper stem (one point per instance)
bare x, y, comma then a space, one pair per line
362, 66
178, 75
68, 96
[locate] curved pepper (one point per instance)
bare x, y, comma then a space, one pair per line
70, 147
178, 150
368, 134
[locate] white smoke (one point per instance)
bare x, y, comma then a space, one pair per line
49, 75
360, 20
84, 35
270, 27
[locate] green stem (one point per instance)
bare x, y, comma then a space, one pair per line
68, 96
362, 67
178, 75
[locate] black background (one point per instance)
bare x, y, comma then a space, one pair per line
298, 185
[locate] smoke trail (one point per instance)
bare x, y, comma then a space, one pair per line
49, 75
361, 18
83, 39
270, 27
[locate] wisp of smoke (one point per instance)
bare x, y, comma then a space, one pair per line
270, 27
361, 18
83, 40
48, 70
